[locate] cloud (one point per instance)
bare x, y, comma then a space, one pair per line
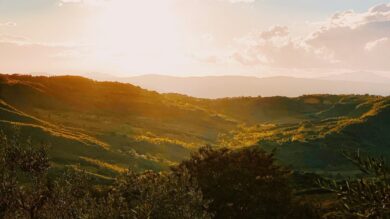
8, 24
370, 46
357, 40
7, 38
241, 1
101, 2
210, 59
85, 2
275, 47
346, 39
16, 49
275, 31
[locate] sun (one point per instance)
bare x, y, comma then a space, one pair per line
138, 35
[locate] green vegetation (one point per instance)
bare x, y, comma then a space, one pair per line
106, 127
367, 196
251, 186
244, 183
213, 183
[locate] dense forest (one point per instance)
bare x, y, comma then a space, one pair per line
76, 148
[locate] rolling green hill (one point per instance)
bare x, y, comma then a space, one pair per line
106, 126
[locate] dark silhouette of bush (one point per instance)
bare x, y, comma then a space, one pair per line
24, 187
27, 190
243, 183
157, 195
365, 197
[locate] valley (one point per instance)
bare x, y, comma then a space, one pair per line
106, 127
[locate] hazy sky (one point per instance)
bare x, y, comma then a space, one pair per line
195, 37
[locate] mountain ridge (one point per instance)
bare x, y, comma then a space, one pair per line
236, 86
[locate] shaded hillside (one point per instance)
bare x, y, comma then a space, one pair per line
281, 110
108, 126
317, 145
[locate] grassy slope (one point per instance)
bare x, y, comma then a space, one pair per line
108, 126
87, 121
317, 145
66, 147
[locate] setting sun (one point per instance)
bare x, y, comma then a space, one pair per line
137, 36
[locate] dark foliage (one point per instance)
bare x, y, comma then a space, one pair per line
243, 184
28, 191
213, 183
366, 197
157, 195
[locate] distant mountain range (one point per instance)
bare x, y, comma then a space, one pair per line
367, 77
236, 86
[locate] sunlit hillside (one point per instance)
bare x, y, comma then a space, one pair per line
106, 127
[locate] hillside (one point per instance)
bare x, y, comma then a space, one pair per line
108, 126
317, 145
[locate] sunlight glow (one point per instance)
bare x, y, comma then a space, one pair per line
133, 35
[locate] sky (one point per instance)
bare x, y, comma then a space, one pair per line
305, 38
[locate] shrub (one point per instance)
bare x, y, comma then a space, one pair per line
158, 195
366, 197
242, 183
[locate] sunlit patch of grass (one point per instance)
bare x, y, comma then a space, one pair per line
151, 138
312, 100
103, 164
96, 175
88, 140
156, 158
245, 135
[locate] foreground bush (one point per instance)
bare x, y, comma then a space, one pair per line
243, 184
157, 195
366, 197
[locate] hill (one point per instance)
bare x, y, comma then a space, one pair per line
108, 126
359, 77
105, 124
236, 86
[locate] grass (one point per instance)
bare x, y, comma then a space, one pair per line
107, 126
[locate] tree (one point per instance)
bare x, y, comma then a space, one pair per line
366, 197
27, 190
24, 188
242, 183
158, 195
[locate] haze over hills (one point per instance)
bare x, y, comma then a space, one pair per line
235, 86
108, 126
361, 76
